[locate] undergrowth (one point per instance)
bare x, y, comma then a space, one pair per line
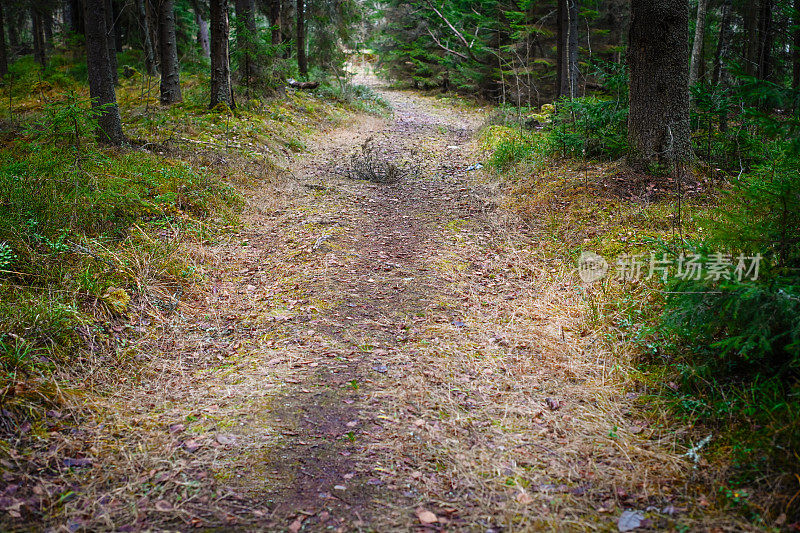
93, 241
719, 355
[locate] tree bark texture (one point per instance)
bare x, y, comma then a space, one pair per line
3, 48
111, 40
170, 69
149, 53
76, 12
203, 38
37, 29
567, 49
699, 38
658, 120
275, 21
796, 50
245, 41
101, 82
723, 44
220, 64
302, 61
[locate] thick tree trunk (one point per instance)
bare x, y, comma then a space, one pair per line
699, 39
245, 41
111, 40
275, 21
658, 120
38, 37
101, 82
567, 49
149, 54
220, 64
723, 43
3, 49
302, 61
170, 69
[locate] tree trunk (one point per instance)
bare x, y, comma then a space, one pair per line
170, 69
572, 65
202, 35
149, 54
101, 82
111, 41
723, 43
76, 12
766, 39
750, 48
220, 64
245, 40
699, 38
796, 50
658, 120
13, 35
3, 49
302, 61
275, 21
202, 29
287, 25
47, 29
38, 37
567, 49
115, 14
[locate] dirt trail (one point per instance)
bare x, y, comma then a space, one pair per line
378, 356
367, 249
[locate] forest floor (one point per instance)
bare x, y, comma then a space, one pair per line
383, 357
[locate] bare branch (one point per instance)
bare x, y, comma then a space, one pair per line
445, 48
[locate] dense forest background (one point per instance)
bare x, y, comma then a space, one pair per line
688, 110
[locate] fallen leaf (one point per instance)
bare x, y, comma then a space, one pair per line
552, 403
295, 526
226, 440
191, 446
177, 428
163, 506
630, 520
524, 498
426, 517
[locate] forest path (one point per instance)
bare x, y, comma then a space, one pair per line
386, 357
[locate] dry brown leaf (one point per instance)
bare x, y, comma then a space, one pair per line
163, 506
426, 517
524, 498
